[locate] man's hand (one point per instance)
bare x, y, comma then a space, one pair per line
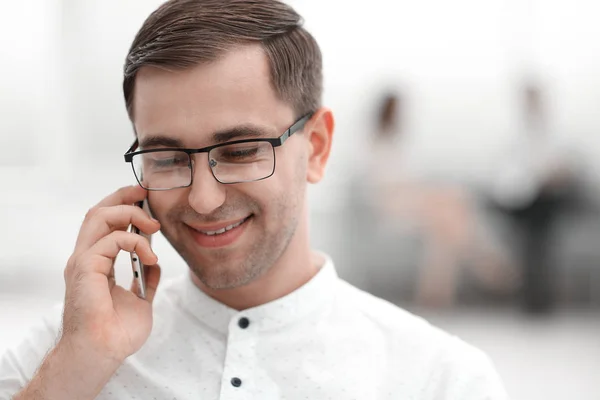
102, 323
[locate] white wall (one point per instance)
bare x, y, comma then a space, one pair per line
460, 62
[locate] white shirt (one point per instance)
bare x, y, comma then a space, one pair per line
326, 340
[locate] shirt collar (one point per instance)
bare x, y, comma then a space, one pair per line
310, 298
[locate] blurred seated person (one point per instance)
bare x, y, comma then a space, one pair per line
537, 179
443, 213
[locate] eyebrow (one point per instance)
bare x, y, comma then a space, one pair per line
236, 133
160, 141
240, 132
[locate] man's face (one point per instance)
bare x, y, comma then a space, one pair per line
191, 106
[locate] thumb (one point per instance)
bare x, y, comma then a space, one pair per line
152, 278
152, 273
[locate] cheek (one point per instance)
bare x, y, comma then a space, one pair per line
272, 197
288, 186
292, 164
261, 195
162, 202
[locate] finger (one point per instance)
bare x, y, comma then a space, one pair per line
102, 221
152, 278
125, 195
101, 256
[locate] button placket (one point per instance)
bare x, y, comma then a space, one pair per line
240, 357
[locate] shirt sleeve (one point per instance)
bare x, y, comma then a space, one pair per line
18, 364
467, 373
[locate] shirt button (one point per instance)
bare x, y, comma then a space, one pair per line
237, 382
244, 322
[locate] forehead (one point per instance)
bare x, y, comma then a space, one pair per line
193, 103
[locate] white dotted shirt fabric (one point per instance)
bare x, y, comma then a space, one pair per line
326, 340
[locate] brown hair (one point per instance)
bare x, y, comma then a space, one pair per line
185, 33
389, 116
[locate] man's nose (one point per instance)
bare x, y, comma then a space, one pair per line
206, 193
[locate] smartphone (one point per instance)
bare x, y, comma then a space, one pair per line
136, 264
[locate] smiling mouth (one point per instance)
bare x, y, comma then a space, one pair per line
225, 229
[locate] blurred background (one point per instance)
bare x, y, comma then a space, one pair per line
464, 183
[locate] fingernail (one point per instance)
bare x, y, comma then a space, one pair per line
155, 220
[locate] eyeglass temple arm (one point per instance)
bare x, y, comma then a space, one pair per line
296, 127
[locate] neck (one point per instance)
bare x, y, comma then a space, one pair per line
296, 266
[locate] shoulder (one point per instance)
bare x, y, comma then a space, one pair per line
453, 367
384, 315
42, 333
18, 363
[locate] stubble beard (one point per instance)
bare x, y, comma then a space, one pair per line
227, 272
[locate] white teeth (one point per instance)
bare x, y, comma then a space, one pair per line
223, 230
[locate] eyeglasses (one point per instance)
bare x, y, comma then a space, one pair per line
232, 162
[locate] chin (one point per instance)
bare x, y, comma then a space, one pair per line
225, 275
219, 280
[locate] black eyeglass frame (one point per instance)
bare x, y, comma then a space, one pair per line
275, 142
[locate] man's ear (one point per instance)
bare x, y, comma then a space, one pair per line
319, 133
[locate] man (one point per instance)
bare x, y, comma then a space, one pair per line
260, 315
536, 184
